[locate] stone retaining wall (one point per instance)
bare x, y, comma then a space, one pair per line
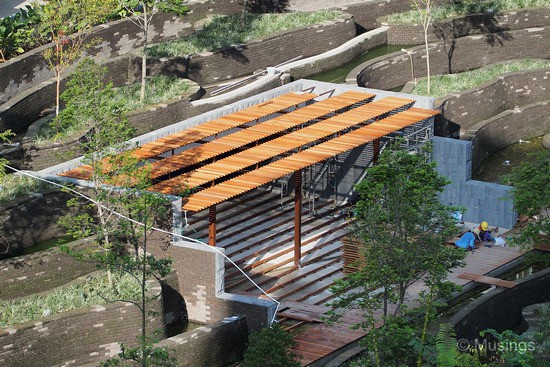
22, 276
501, 309
466, 53
241, 60
505, 92
200, 272
33, 218
225, 342
507, 128
456, 27
75, 337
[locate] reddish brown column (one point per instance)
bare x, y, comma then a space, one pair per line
297, 217
212, 226
375, 150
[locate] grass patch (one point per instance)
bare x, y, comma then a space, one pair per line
13, 186
467, 7
442, 85
222, 31
94, 291
157, 89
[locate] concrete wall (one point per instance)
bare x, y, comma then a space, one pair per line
471, 52
75, 337
485, 201
456, 27
501, 309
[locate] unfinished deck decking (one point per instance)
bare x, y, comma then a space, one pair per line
259, 240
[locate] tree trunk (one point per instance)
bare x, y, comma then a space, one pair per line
427, 54
144, 55
424, 328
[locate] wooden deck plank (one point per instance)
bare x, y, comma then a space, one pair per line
487, 280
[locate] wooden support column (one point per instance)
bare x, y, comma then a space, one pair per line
212, 225
297, 217
375, 151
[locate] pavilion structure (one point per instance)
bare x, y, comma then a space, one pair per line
231, 155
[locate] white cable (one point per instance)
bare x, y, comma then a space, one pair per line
153, 229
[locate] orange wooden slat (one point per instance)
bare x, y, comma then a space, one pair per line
259, 131
303, 136
216, 126
297, 161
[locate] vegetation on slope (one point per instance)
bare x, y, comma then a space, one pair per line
222, 31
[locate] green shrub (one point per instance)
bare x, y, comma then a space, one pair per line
222, 31
270, 347
95, 291
16, 33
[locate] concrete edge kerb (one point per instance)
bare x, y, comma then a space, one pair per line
355, 42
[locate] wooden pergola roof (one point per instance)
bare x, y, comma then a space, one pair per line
304, 130
271, 149
257, 132
207, 129
285, 166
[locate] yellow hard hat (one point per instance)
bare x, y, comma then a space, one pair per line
484, 225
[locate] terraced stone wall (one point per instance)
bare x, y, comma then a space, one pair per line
456, 27
241, 60
24, 275
33, 218
116, 38
75, 337
471, 52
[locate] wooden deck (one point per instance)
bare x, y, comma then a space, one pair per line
257, 232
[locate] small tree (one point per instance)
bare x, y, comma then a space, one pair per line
121, 219
531, 195
424, 8
68, 25
270, 347
402, 230
143, 12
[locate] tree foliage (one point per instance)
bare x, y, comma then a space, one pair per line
270, 347
123, 213
68, 25
402, 231
531, 195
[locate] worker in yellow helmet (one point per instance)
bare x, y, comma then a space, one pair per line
484, 234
